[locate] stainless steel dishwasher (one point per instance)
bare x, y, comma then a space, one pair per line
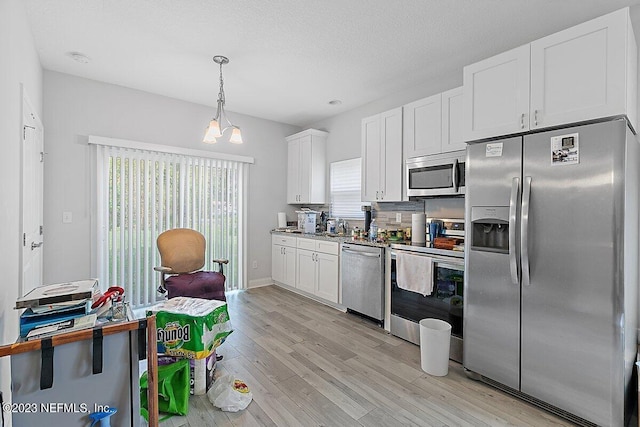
362, 274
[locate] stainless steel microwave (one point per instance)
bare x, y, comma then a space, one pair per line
436, 175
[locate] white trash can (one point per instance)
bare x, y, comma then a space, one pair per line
435, 338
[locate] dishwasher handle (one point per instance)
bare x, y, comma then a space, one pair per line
368, 254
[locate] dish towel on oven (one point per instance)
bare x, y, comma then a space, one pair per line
414, 273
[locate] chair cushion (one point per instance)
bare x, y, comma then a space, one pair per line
202, 284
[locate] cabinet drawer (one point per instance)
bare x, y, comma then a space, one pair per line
330, 248
308, 244
279, 239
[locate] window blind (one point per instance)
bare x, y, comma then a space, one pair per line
141, 193
345, 191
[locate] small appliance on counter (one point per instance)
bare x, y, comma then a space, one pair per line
367, 217
307, 220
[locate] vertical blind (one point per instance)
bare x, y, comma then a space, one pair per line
345, 189
142, 193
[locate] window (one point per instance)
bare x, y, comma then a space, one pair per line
142, 192
345, 189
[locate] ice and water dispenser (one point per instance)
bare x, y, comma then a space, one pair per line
490, 228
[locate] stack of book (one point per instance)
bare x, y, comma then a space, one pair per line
58, 308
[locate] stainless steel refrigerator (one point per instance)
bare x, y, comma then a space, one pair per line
551, 268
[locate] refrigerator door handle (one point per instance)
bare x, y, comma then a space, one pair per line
524, 231
513, 211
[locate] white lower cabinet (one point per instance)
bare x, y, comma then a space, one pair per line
317, 268
306, 274
327, 277
310, 265
283, 259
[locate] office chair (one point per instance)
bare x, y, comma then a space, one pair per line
182, 258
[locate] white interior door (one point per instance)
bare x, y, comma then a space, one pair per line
32, 199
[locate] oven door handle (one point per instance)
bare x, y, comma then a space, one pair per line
453, 263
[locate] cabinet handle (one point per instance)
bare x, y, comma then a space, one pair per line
535, 117
522, 121
377, 195
381, 195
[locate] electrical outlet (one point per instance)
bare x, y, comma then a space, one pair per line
254, 264
398, 217
67, 217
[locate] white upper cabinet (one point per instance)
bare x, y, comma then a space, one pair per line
433, 125
583, 73
422, 121
306, 167
382, 157
496, 95
452, 139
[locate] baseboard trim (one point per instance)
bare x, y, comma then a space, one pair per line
257, 283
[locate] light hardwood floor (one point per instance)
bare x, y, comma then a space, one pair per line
308, 364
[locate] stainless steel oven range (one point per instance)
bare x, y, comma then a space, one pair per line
445, 301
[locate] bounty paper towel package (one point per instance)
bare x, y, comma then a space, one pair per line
190, 327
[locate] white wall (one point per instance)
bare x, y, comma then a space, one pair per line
75, 108
18, 64
344, 130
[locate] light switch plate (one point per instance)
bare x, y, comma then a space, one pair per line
67, 217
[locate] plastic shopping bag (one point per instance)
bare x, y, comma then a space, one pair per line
230, 394
173, 389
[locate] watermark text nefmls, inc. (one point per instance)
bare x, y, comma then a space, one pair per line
52, 408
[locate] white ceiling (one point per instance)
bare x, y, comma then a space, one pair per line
289, 58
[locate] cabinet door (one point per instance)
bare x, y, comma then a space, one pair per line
422, 127
289, 268
327, 277
452, 139
371, 158
293, 172
304, 168
391, 171
306, 271
496, 95
579, 73
277, 266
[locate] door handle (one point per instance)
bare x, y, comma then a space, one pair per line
455, 175
513, 212
522, 121
524, 231
361, 253
35, 245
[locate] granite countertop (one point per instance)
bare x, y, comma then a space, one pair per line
399, 244
332, 238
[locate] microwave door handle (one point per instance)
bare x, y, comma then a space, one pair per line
455, 176
513, 212
524, 231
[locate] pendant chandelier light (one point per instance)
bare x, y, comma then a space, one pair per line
215, 129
